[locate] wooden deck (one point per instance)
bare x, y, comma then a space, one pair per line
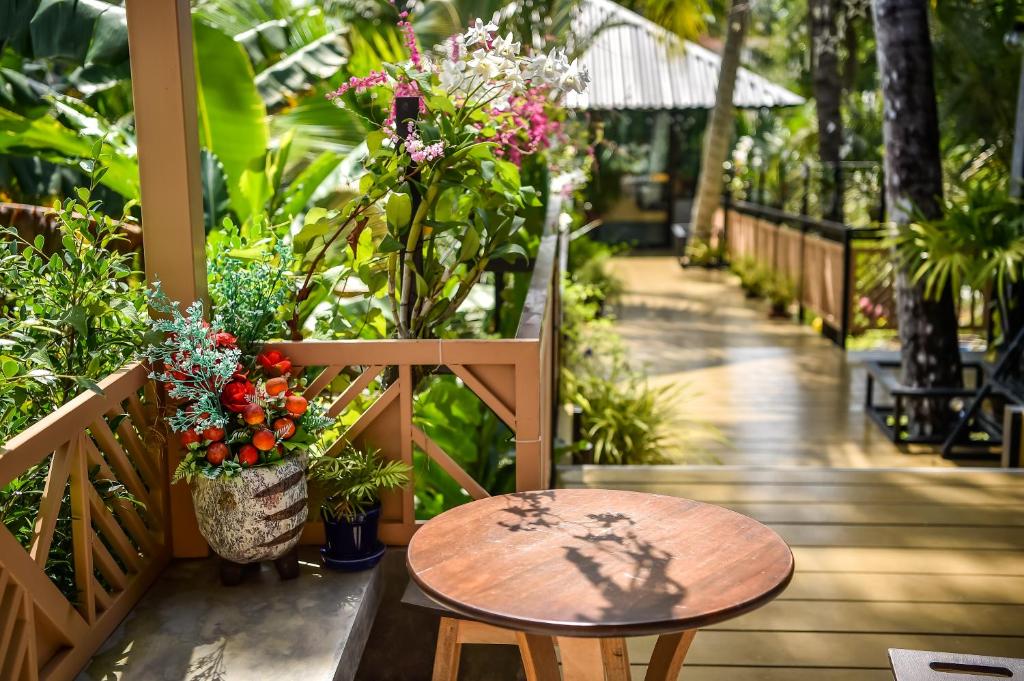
908, 558
777, 392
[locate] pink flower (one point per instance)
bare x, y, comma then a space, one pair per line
363, 84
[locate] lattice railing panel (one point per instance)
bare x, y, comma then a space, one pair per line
370, 386
106, 483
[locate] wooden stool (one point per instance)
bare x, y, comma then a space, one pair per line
924, 665
605, 658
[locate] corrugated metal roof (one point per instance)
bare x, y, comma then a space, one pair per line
636, 64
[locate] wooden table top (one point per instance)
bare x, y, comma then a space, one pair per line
587, 562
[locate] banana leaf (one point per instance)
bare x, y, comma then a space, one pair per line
299, 72
232, 116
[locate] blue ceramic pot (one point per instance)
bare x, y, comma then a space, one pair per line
352, 540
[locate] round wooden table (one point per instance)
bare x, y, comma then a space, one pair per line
584, 568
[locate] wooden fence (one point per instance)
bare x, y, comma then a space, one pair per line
120, 544
820, 258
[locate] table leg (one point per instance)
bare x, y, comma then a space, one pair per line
449, 649
581, 659
669, 653
616, 659
539, 658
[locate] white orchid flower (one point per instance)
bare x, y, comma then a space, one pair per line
480, 32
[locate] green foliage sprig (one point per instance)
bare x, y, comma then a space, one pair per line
250, 281
349, 485
68, 316
201, 367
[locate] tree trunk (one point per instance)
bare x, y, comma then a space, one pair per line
913, 181
828, 91
718, 136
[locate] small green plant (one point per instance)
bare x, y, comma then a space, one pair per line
702, 253
753, 277
67, 318
349, 485
623, 419
780, 292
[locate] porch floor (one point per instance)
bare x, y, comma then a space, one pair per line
777, 393
929, 559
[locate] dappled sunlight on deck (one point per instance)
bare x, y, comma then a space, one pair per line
778, 393
931, 559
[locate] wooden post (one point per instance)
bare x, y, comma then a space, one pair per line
164, 90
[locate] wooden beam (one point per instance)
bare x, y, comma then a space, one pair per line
164, 90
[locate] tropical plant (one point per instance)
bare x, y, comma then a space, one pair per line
441, 195
623, 419
347, 486
66, 318
977, 242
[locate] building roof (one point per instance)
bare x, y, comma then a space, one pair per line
636, 64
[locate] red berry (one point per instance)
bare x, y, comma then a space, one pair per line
213, 434
295, 405
253, 414
284, 427
189, 437
276, 386
264, 440
248, 455
217, 452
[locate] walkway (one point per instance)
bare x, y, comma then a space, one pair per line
777, 393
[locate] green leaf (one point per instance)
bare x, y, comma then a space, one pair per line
303, 69
470, 244
297, 195
216, 202
232, 116
389, 244
9, 367
89, 384
399, 211
510, 251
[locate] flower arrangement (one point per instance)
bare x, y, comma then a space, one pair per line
237, 407
441, 193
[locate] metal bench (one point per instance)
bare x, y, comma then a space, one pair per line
924, 665
889, 418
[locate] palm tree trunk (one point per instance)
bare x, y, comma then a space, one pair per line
718, 136
828, 91
913, 181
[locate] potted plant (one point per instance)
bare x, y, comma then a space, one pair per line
348, 489
780, 293
246, 431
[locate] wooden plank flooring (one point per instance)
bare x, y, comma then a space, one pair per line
913, 558
776, 392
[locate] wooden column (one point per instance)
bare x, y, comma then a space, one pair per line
164, 90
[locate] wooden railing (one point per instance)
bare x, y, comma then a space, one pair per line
819, 257
118, 544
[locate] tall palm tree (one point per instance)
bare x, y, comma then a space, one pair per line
718, 136
828, 91
913, 185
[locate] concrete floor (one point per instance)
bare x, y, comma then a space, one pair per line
773, 392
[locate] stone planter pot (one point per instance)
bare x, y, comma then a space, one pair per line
257, 515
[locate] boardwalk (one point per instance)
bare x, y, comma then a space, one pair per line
930, 559
778, 393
